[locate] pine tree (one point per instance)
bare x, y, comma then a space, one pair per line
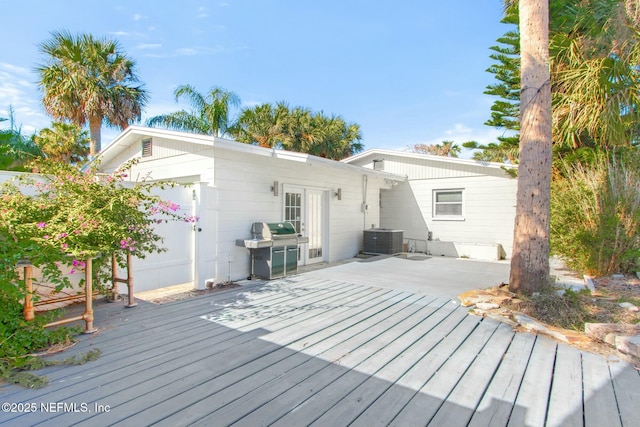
505, 110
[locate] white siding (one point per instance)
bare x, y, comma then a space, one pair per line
234, 190
489, 195
488, 211
244, 196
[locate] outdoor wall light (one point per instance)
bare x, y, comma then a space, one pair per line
275, 188
338, 194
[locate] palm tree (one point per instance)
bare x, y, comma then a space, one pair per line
263, 125
596, 81
298, 130
530, 258
64, 142
334, 138
90, 80
209, 114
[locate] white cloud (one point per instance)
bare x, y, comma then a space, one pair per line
149, 46
202, 12
134, 34
186, 51
138, 17
249, 104
458, 130
461, 133
22, 96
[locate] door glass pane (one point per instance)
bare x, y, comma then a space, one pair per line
314, 224
292, 210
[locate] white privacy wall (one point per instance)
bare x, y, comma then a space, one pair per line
173, 266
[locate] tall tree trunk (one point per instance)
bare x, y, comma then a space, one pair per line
95, 125
530, 259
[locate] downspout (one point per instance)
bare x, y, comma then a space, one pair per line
365, 181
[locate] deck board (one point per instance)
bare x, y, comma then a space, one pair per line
497, 404
397, 337
459, 405
198, 392
533, 396
600, 406
565, 409
438, 346
326, 351
432, 394
626, 378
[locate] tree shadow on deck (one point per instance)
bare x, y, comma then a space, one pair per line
181, 363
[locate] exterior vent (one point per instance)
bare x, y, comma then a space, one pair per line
378, 165
147, 147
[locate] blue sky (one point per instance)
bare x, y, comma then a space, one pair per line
408, 71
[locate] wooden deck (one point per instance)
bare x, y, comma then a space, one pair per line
307, 351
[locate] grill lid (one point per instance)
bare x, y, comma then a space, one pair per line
272, 230
281, 228
272, 234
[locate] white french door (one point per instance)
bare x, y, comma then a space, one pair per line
304, 208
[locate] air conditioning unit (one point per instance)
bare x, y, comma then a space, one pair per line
383, 241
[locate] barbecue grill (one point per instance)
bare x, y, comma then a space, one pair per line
273, 249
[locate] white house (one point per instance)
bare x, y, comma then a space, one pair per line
231, 186
446, 206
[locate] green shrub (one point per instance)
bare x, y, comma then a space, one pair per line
19, 338
595, 214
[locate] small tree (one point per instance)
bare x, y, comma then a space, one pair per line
16, 149
64, 142
446, 149
595, 213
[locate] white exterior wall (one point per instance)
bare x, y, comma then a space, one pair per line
245, 196
489, 199
233, 190
488, 212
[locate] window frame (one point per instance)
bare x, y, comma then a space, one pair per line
435, 203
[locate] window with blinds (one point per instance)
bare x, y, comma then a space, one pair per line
448, 204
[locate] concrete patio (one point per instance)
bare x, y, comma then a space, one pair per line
340, 346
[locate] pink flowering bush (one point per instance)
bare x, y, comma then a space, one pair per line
61, 218
74, 215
